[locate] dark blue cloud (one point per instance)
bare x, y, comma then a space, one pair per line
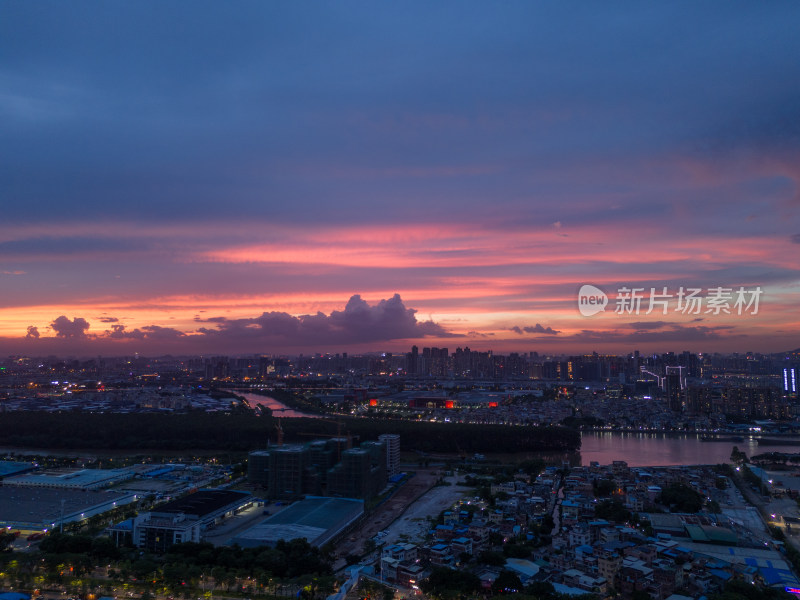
187, 110
60, 246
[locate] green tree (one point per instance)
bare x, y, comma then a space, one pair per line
493, 559
6, 539
515, 550
603, 488
612, 510
507, 582
449, 583
679, 497
541, 590
739, 590
737, 456
104, 548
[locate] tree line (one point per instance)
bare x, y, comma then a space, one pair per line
82, 563
241, 430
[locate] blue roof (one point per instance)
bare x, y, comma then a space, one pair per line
724, 575
158, 472
774, 576
570, 591
126, 524
14, 596
617, 545
10, 467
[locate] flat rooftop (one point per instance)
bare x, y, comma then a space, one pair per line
317, 519
203, 502
20, 506
73, 478
8, 467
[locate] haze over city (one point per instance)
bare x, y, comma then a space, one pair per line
276, 177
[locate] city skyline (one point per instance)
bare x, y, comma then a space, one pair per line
194, 179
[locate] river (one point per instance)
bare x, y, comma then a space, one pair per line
658, 449
278, 409
637, 449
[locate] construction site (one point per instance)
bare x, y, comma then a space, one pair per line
325, 467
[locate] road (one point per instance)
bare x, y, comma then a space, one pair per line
415, 500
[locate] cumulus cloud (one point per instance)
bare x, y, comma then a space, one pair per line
148, 332
33, 333
118, 332
538, 328
65, 328
357, 323
156, 332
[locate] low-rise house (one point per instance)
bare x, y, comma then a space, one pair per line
461, 545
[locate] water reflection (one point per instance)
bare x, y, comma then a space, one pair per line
278, 409
662, 449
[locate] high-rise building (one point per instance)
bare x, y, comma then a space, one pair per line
320, 467
392, 443
412, 361
674, 386
790, 381
361, 473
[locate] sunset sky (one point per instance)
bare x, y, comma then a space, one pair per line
283, 177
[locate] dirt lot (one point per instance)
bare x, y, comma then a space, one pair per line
387, 513
413, 525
